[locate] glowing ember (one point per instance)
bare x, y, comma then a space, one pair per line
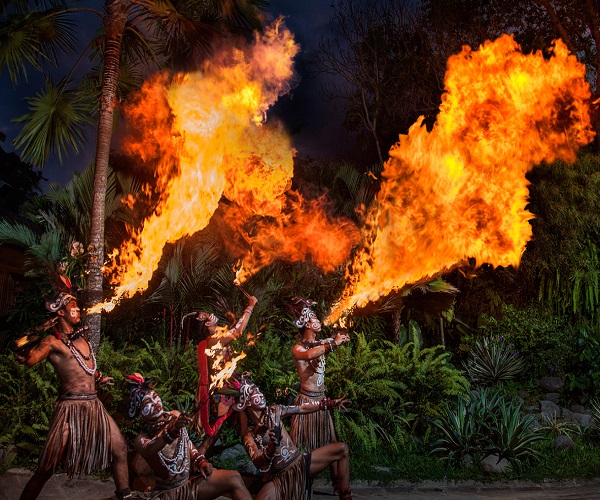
204, 133
460, 190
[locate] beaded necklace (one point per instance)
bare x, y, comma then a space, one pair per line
179, 462
77, 354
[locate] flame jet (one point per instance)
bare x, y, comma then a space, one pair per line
459, 191
196, 130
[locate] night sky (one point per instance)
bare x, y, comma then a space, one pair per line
315, 124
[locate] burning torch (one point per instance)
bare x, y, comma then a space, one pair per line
237, 281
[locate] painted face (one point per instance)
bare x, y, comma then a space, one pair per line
211, 327
72, 313
314, 324
257, 399
152, 407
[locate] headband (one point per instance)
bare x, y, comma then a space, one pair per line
60, 301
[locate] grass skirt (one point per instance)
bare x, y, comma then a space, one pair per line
313, 430
292, 483
79, 436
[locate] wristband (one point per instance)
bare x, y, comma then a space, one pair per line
97, 375
325, 404
248, 310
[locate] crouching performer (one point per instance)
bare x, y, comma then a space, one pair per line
82, 434
286, 471
182, 472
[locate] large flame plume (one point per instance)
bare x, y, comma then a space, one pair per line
203, 132
303, 230
460, 190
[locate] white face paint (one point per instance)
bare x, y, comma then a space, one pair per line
72, 313
257, 400
151, 406
314, 324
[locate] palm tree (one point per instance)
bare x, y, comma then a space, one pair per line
167, 31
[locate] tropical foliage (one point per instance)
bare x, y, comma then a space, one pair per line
492, 361
482, 424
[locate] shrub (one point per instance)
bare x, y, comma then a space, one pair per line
390, 388
547, 343
485, 423
492, 362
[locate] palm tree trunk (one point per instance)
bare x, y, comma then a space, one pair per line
114, 23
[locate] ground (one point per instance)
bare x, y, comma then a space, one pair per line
90, 488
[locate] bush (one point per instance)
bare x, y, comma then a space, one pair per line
492, 361
485, 423
548, 343
391, 388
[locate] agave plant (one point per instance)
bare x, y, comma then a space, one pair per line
485, 423
492, 362
511, 435
459, 429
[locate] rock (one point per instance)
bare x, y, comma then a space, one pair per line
561, 443
491, 465
532, 410
549, 408
581, 419
233, 452
246, 467
552, 396
567, 414
577, 409
534, 425
379, 468
551, 384
524, 395
467, 461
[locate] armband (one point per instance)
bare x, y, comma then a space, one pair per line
330, 346
325, 404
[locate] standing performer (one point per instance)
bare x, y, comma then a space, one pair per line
311, 431
211, 339
81, 432
286, 471
165, 445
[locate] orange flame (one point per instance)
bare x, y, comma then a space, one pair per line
204, 133
223, 371
460, 190
303, 230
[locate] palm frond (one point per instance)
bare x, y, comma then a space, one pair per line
55, 122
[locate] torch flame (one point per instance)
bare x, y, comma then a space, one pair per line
460, 190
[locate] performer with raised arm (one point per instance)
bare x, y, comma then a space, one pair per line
286, 470
220, 342
82, 434
182, 472
313, 430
